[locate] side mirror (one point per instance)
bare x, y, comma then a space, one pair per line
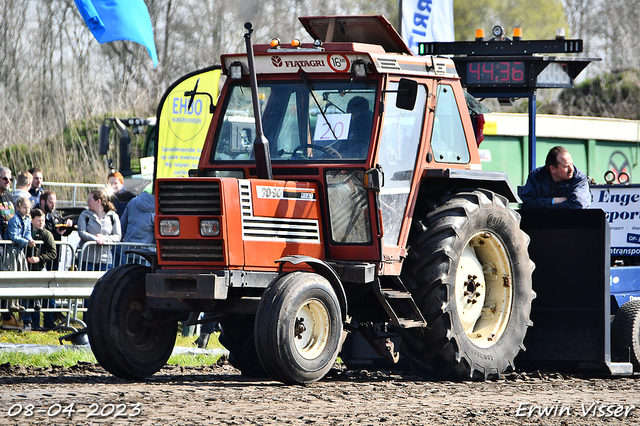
407, 94
103, 139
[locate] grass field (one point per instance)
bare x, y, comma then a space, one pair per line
72, 356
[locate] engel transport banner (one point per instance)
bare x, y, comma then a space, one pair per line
426, 21
621, 205
182, 131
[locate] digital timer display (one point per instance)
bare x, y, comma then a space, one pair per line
496, 73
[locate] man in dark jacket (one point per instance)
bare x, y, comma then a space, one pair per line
54, 222
557, 185
39, 258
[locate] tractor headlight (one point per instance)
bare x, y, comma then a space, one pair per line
169, 227
210, 228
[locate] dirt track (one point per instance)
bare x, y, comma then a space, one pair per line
218, 395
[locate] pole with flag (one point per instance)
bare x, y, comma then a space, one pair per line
426, 21
111, 20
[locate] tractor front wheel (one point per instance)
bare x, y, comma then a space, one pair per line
129, 340
298, 328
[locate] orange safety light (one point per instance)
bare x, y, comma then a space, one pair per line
295, 42
517, 34
479, 34
275, 43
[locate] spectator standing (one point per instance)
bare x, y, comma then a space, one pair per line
137, 220
7, 209
19, 232
41, 258
54, 222
99, 223
36, 184
9, 322
19, 227
120, 196
23, 184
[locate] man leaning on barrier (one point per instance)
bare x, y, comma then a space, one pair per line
557, 185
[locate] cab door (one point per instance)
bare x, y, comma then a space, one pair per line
399, 146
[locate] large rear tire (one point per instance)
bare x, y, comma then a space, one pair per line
625, 330
128, 339
298, 328
470, 273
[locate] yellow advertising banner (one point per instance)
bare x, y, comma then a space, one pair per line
182, 130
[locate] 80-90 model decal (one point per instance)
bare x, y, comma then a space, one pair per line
274, 192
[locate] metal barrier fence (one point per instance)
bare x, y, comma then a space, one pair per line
69, 283
100, 257
77, 192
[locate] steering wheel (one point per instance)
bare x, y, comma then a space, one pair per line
326, 150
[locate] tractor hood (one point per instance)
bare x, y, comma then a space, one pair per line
357, 29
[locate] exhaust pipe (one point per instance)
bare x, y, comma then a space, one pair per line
260, 144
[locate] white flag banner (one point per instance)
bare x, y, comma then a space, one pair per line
426, 20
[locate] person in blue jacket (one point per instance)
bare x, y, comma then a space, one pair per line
557, 185
137, 226
137, 219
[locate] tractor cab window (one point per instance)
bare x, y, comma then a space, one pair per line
399, 141
349, 216
448, 141
303, 121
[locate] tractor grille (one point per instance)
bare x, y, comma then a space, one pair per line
189, 197
191, 250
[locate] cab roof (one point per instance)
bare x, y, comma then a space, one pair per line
370, 29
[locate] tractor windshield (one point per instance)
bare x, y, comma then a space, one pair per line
303, 121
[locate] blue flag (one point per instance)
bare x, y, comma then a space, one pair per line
111, 20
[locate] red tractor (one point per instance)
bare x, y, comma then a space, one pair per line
339, 196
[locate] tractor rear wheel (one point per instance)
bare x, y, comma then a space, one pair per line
470, 273
298, 328
625, 330
128, 339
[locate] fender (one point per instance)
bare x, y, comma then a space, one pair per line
323, 269
456, 179
148, 255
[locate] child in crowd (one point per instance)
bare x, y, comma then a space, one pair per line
19, 231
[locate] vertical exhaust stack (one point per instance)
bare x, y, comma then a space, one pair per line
260, 144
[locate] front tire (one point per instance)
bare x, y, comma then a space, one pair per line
128, 340
298, 328
470, 274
